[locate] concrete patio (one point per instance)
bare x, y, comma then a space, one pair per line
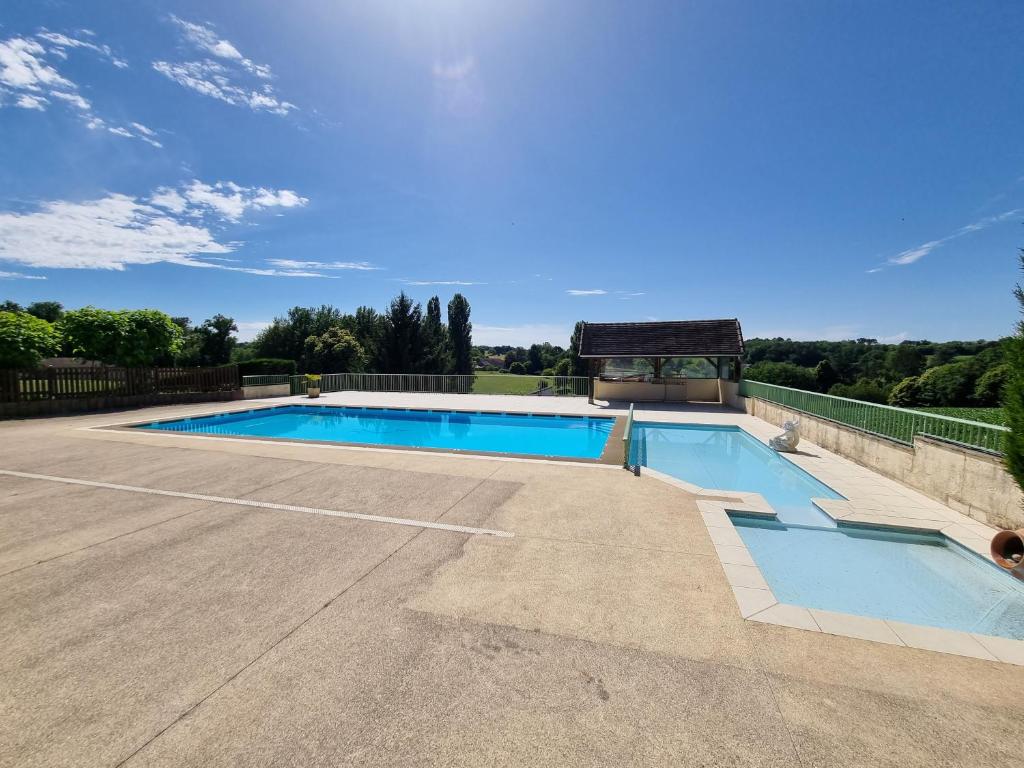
159, 630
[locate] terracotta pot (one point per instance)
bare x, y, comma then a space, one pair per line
1008, 549
313, 391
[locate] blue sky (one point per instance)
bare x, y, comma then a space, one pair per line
819, 170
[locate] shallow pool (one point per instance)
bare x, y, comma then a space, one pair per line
579, 437
729, 459
910, 577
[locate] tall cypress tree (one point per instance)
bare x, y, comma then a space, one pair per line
579, 366
1014, 398
460, 330
437, 354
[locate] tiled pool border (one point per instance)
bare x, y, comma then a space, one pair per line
611, 454
757, 602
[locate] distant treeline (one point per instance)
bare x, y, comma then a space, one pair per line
911, 373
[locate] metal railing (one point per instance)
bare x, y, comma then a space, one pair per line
627, 439
263, 379
899, 424
480, 384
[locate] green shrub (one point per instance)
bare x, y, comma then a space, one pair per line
267, 366
782, 374
517, 368
25, 339
907, 393
128, 337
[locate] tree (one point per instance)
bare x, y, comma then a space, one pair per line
579, 365
461, 332
217, 340
949, 384
1013, 400
535, 359
368, 328
25, 340
334, 351
825, 375
782, 374
906, 394
517, 368
437, 356
905, 360
132, 338
863, 389
50, 311
286, 336
988, 391
11, 306
402, 341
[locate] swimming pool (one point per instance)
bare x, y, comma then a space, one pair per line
729, 459
577, 437
918, 578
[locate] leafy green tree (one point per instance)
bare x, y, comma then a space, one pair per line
782, 374
518, 368
368, 328
402, 341
563, 367
825, 376
218, 340
286, 336
11, 306
50, 311
437, 356
988, 391
461, 332
25, 340
905, 360
906, 394
578, 364
132, 338
334, 351
949, 384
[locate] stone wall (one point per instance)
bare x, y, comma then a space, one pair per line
972, 482
266, 390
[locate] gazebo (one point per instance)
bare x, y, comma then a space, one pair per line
672, 361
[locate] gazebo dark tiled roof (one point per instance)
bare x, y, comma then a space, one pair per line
679, 338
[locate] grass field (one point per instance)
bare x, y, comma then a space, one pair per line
505, 384
986, 415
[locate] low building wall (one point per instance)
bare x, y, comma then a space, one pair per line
266, 390
972, 482
692, 390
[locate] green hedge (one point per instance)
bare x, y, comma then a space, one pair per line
265, 366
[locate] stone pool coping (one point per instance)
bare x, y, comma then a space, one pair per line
871, 500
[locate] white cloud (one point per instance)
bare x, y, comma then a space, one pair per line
455, 70
29, 80
521, 335
118, 231
224, 76
225, 198
19, 276
362, 266
441, 282
918, 252
586, 292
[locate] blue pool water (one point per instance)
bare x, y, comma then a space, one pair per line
579, 437
727, 458
915, 578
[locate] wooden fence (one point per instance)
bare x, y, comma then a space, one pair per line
63, 390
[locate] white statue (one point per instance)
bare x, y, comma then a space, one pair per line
789, 439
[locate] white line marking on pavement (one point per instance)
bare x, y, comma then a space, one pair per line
265, 505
